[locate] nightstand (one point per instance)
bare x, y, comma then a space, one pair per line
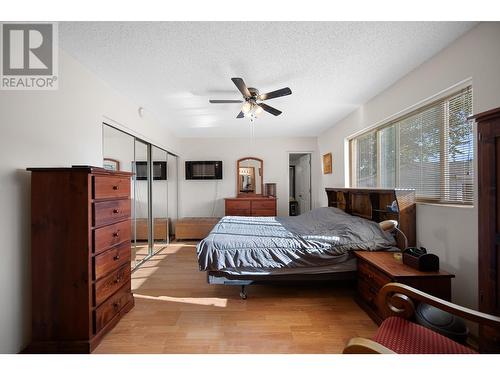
377, 268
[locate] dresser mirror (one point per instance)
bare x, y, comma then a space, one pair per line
250, 172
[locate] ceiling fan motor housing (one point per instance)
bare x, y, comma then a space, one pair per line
253, 92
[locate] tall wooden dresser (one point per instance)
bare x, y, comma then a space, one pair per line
488, 175
80, 256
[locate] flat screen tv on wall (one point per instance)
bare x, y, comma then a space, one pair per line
204, 170
159, 170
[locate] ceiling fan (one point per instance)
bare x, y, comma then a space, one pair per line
252, 105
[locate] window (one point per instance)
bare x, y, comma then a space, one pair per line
429, 150
367, 160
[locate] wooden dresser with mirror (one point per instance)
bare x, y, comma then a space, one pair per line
250, 199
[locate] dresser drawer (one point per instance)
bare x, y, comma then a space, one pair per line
108, 310
106, 187
111, 259
111, 211
263, 205
368, 293
238, 208
372, 276
111, 235
108, 285
263, 212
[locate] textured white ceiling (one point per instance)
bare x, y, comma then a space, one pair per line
173, 68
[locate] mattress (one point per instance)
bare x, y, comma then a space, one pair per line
320, 238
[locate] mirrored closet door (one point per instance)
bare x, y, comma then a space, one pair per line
160, 198
153, 190
172, 171
141, 244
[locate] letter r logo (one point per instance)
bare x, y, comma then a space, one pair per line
27, 49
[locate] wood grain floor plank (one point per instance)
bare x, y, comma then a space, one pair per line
176, 311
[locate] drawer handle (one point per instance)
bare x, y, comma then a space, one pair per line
115, 234
116, 305
117, 280
115, 187
116, 257
115, 211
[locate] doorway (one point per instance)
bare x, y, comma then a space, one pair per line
299, 183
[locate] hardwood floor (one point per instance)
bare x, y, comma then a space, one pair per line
176, 311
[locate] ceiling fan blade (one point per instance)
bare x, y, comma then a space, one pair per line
241, 86
276, 94
240, 115
225, 101
270, 109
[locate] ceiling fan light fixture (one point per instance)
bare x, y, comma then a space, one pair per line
252, 110
246, 108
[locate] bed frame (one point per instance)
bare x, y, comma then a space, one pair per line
222, 278
372, 204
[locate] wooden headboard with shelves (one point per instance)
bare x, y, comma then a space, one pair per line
376, 205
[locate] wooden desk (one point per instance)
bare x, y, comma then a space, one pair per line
377, 268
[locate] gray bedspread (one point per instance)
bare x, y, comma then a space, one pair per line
317, 238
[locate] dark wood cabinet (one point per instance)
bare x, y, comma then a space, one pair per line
377, 268
251, 206
488, 163
80, 256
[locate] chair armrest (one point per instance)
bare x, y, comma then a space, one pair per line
395, 299
359, 345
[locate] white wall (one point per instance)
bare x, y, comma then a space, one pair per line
450, 232
50, 128
197, 197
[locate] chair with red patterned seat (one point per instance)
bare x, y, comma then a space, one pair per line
398, 335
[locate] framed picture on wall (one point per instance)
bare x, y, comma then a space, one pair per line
327, 163
111, 164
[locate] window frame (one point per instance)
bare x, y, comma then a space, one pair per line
444, 197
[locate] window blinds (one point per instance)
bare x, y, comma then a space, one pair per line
420, 155
430, 150
458, 172
367, 160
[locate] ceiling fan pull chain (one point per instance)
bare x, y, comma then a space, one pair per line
252, 135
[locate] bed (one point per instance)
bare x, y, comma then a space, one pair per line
316, 245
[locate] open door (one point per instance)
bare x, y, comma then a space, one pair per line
300, 183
